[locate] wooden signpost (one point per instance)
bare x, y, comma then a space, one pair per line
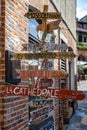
44, 92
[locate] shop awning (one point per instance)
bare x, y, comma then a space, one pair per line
81, 62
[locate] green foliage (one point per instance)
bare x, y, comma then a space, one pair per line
82, 46
80, 69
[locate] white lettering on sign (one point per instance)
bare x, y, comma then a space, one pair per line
46, 93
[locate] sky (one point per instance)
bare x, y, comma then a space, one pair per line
81, 8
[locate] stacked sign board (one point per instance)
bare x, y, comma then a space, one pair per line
47, 55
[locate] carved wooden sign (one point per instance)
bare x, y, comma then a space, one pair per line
45, 92
42, 15
45, 55
60, 74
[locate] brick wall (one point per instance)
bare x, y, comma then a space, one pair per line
39, 5
2, 56
13, 29
2, 40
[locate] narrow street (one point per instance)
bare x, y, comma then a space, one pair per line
79, 119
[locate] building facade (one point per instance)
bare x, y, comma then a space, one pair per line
82, 44
16, 33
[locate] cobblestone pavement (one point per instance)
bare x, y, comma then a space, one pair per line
82, 85
79, 119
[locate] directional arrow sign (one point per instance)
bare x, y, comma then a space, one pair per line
50, 26
45, 55
46, 93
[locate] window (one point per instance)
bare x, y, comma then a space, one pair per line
81, 58
80, 38
85, 26
33, 27
81, 25
84, 39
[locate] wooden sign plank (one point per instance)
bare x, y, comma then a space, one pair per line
45, 55
46, 92
60, 74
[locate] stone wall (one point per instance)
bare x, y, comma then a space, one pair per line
67, 8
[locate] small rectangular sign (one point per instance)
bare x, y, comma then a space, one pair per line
42, 111
45, 82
